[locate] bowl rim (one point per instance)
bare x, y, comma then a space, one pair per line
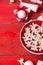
21, 40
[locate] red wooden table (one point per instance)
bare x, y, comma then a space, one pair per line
10, 45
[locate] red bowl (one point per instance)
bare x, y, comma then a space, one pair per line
30, 48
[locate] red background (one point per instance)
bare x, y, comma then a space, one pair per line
10, 45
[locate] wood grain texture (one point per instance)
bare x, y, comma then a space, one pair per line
10, 45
